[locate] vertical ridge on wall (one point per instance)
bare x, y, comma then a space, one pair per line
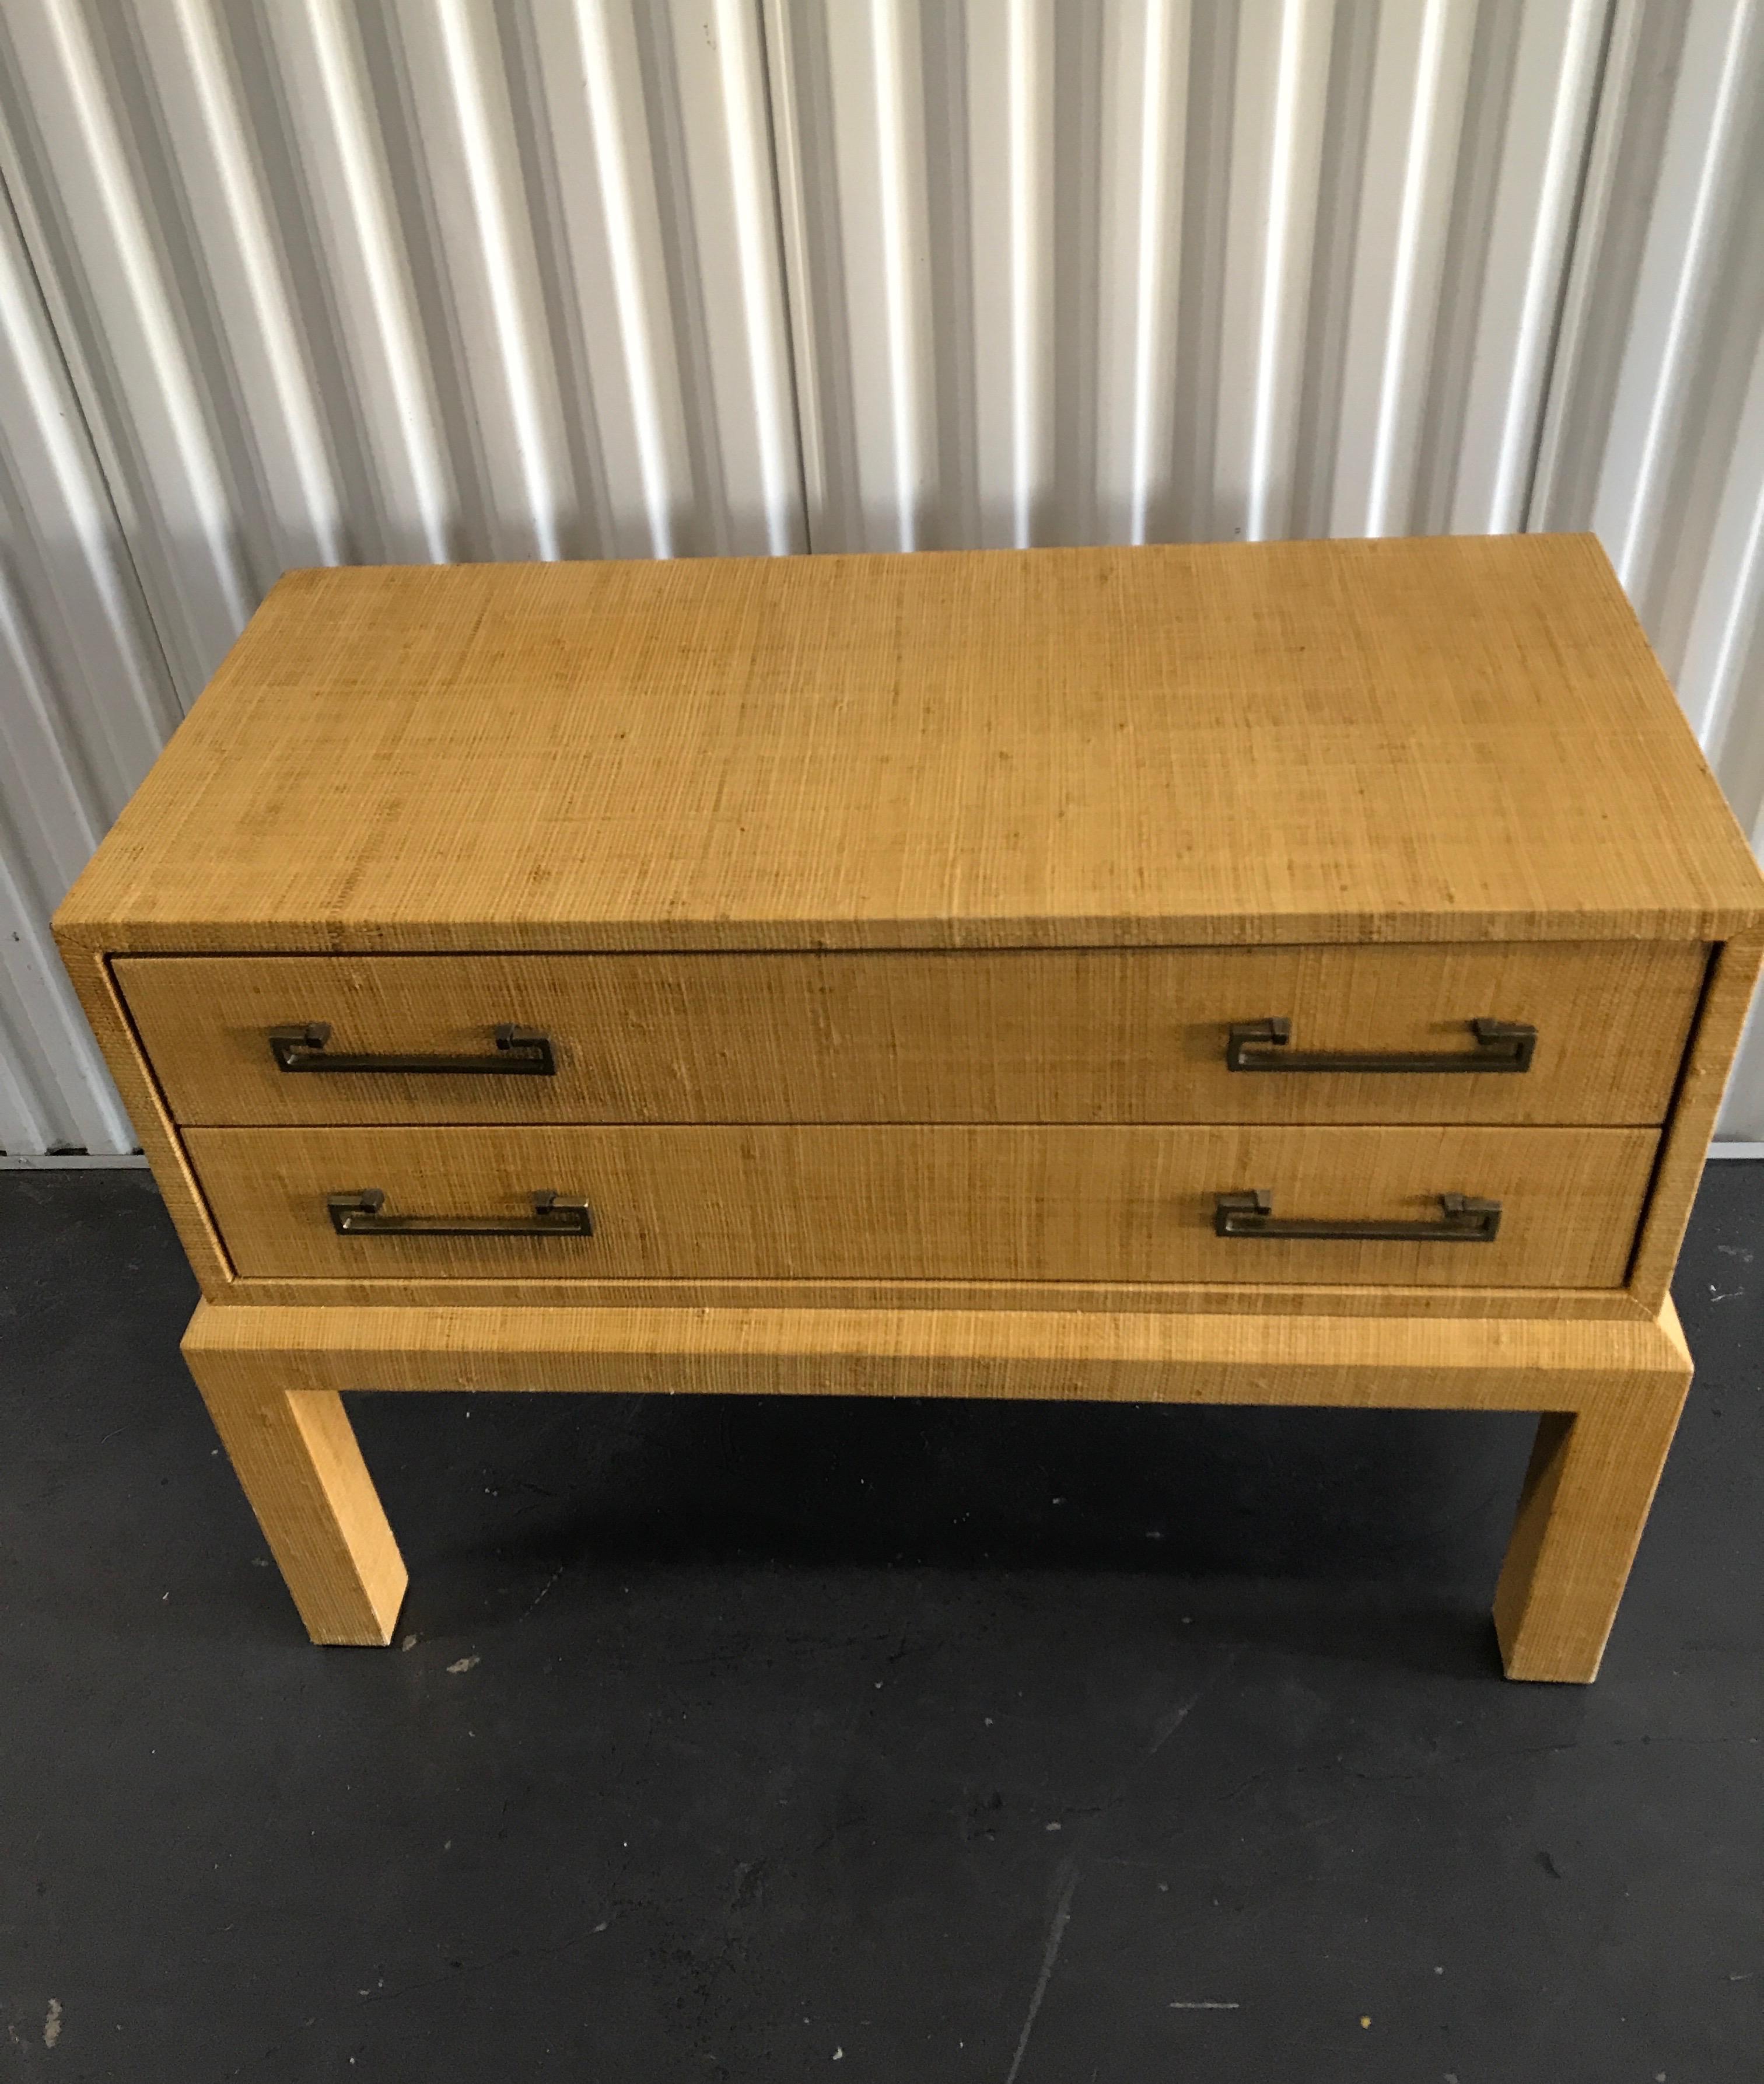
1278, 100
1414, 112
1174, 269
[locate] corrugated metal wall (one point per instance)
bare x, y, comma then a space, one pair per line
423, 279
1144, 269
85, 703
1655, 432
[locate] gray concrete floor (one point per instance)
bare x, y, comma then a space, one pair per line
738, 1740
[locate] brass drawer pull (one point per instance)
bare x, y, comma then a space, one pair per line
358, 1214
1261, 1045
1250, 1215
521, 1052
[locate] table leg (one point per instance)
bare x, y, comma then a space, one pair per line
1581, 1511
295, 1453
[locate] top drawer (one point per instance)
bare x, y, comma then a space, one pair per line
1076, 1035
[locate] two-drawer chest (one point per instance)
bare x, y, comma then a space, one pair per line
1296, 974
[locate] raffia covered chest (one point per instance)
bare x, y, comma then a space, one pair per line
1298, 973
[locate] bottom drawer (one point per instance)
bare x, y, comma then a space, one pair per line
913, 1203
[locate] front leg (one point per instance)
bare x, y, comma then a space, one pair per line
294, 1452
1582, 1510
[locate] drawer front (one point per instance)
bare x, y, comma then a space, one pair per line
920, 1203
1108, 1034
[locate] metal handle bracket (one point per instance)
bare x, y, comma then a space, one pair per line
1463, 1220
1264, 1045
521, 1052
359, 1212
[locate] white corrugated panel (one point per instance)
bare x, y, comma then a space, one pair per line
1655, 424
353, 280
85, 703
1150, 268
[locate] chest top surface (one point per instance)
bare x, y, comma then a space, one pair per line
1451, 739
